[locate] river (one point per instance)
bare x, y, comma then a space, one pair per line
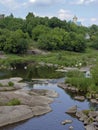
52, 120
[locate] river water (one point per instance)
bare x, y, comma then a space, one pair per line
52, 120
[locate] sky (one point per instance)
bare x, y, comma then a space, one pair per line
85, 10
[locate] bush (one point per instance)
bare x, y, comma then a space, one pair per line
14, 102
11, 84
1, 85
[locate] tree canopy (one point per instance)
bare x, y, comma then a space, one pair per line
17, 34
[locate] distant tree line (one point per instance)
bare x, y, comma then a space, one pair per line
17, 35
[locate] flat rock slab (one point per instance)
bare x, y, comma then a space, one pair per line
12, 114
33, 103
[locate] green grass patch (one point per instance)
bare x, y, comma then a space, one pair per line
13, 102
10, 84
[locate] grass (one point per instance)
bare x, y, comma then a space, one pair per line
10, 84
13, 102
62, 58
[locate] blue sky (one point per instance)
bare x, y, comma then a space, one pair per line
85, 10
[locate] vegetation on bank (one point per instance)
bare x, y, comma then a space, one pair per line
88, 85
17, 35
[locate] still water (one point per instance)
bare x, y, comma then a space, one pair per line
52, 120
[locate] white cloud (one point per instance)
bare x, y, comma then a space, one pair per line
32, 1
44, 2
80, 2
12, 4
64, 14
93, 19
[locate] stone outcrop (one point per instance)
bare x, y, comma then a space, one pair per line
32, 103
12, 114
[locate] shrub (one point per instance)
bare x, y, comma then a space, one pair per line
1, 85
14, 102
11, 84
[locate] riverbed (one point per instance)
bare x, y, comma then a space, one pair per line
52, 120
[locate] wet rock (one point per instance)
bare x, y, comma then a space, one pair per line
72, 110
71, 128
80, 98
66, 122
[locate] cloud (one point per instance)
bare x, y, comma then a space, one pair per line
80, 2
93, 19
43, 2
64, 14
12, 4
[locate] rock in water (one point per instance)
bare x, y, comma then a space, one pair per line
72, 110
66, 122
71, 128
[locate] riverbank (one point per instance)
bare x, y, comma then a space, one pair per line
88, 116
19, 105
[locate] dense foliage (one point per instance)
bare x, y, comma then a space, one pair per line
17, 35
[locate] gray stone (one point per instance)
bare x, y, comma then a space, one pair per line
66, 122
72, 110
80, 98
12, 114
90, 127
71, 128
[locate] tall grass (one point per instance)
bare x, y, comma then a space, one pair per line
78, 80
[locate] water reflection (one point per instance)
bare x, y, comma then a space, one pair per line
28, 72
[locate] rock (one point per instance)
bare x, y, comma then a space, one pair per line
80, 98
62, 85
96, 119
73, 89
95, 124
79, 114
32, 104
93, 114
71, 128
66, 122
83, 118
94, 101
90, 127
13, 114
72, 110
